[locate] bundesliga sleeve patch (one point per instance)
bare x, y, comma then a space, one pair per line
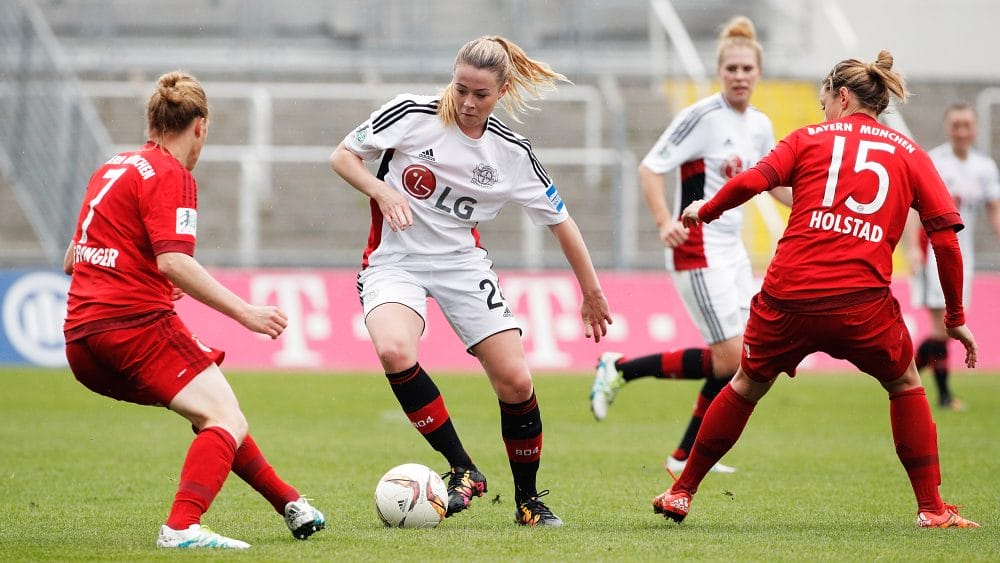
187, 221
553, 194
361, 133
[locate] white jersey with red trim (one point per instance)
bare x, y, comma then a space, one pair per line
710, 142
452, 182
971, 182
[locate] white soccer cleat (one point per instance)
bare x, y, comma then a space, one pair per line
676, 466
607, 381
196, 535
302, 519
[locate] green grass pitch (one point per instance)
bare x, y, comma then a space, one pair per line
87, 478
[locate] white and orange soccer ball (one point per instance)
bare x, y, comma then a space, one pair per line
411, 495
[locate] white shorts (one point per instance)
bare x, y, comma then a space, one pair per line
925, 285
717, 299
467, 291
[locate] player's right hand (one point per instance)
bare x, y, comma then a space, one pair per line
674, 234
964, 335
394, 207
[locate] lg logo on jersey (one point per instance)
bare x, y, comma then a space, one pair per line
419, 182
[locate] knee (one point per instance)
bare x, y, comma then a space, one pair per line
909, 380
395, 356
237, 425
232, 421
515, 388
726, 358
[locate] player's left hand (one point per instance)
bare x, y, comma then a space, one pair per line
690, 215
596, 316
964, 335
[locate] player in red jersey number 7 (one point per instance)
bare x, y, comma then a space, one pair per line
827, 288
131, 256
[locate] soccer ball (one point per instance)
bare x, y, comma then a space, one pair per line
411, 496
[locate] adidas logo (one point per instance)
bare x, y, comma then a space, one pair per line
427, 155
507, 313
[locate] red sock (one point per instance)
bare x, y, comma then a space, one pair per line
723, 423
915, 435
253, 468
205, 470
689, 363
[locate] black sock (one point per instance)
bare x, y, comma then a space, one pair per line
424, 406
521, 428
690, 363
937, 358
944, 391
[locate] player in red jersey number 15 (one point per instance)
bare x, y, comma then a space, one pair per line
827, 288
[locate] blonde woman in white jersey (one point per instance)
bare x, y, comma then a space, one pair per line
709, 141
446, 164
972, 180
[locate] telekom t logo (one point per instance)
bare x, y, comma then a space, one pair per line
549, 313
303, 297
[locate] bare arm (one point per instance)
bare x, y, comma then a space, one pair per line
394, 207
192, 278
68, 258
594, 308
672, 232
783, 194
993, 210
911, 240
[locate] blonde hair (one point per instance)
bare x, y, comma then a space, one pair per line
871, 83
176, 101
524, 76
739, 32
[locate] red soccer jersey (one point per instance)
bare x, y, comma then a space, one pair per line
138, 204
853, 181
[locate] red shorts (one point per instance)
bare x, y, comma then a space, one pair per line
146, 364
870, 335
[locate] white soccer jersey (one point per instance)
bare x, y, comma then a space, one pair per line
710, 142
971, 182
452, 182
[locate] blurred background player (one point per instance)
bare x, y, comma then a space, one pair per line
132, 255
827, 288
711, 141
445, 165
971, 178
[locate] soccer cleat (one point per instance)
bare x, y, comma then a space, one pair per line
607, 381
533, 512
196, 535
674, 466
463, 484
947, 518
302, 519
953, 404
672, 505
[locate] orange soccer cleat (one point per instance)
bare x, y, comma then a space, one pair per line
672, 505
947, 518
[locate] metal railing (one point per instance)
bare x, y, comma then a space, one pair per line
51, 138
256, 157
